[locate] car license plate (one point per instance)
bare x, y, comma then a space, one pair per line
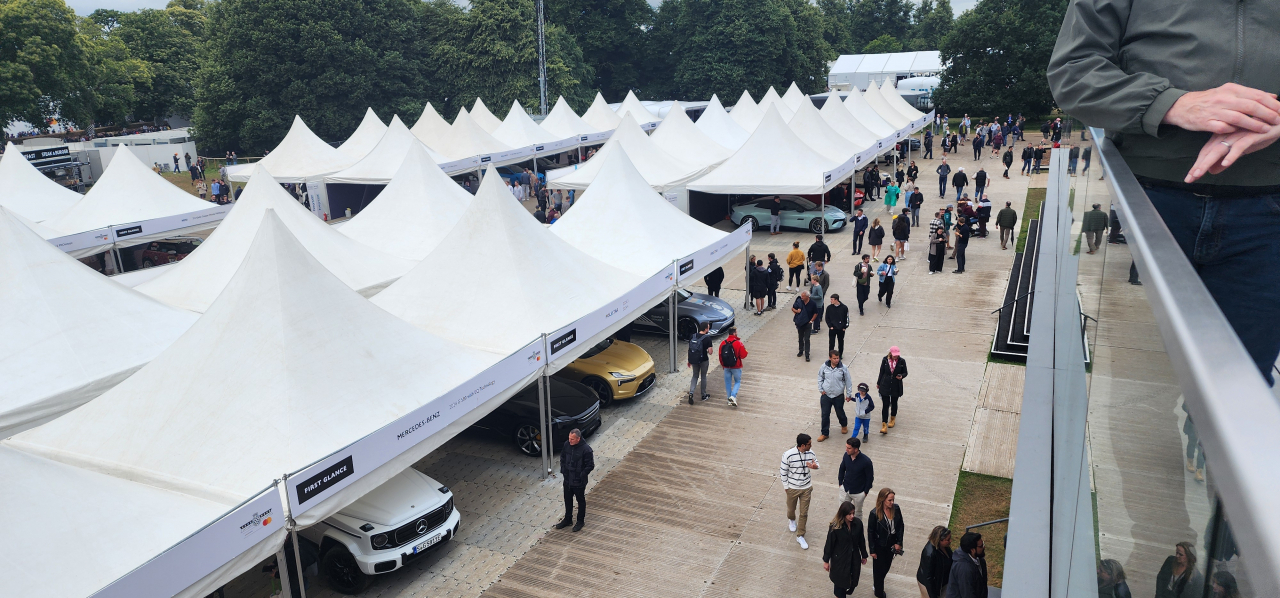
428, 543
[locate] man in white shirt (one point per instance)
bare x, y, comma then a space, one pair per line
798, 483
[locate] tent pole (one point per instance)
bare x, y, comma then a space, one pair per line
282, 566
297, 556
746, 276
544, 408
671, 314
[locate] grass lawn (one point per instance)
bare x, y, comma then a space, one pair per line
981, 498
1035, 199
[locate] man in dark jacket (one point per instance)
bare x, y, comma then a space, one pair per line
928, 145
775, 279
968, 569
959, 180
837, 316
862, 275
979, 182
913, 203
805, 311
714, 279
576, 463
1093, 225
944, 172
819, 252
1038, 156
1006, 220
856, 475
1007, 158
860, 225
1027, 154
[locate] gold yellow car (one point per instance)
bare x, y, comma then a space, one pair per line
614, 369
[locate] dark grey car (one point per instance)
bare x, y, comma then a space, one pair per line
692, 309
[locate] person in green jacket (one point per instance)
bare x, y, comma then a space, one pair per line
1094, 224
891, 196
1187, 96
1006, 219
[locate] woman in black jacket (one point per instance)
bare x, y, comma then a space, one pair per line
1178, 577
893, 368
935, 564
875, 238
845, 552
884, 537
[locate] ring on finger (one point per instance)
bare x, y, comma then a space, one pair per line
1225, 143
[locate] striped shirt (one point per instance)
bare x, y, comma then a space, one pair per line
794, 472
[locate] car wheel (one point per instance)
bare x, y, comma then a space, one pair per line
815, 226
755, 224
685, 328
528, 440
147, 264
342, 571
602, 390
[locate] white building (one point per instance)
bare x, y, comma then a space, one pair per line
861, 70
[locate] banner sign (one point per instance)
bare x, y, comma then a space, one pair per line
121, 233
94, 238
831, 178
712, 253
619, 309
310, 486
649, 126
48, 156
556, 147
462, 165
204, 551
595, 138
318, 197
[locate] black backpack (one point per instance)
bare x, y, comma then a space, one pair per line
696, 353
728, 356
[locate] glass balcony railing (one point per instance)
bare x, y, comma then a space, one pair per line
1151, 434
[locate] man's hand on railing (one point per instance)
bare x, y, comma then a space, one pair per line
1222, 150
1225, 109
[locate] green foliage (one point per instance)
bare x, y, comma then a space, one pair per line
43, 66
610, 34
998, 53
884, 44
930, 23
112, 80
167, 41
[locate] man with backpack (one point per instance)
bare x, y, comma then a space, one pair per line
700, 359
732, 352
834, 384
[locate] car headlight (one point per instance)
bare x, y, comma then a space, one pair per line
620, 375
379, 540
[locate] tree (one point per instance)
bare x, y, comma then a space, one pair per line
43, 67
997, 55
171, 50
930, 23
611, 36
884, 44
112, 80
870, 19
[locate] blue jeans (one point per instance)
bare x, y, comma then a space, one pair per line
959, 192
1234, 245
861, 424
942, 186
732, 381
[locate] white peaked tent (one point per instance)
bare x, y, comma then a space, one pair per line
746, 113
299, 156
773, 160
600, 115
678, 136
771, 98
467, 139
662, 170
809, 125
868, 116
882, 107
71, 333
285, 391
129, 191
842, 121
890, 92
720, 127
430, 126
480, 113
413, 213
365, 137
39, 229
794, 96
564, 123
644, 117
380, 164
196, 281
535, 282
623, 222
518, 130
119, 525
27, 191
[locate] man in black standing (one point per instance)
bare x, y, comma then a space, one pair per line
714, 279
1027, 154
771, 283
979, 182
805, 312
862, 275
944, 173
819, 252
968, 568
928, 145
837, 321
775, 215
859, 231
576, 463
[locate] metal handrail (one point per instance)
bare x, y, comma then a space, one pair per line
1235, 413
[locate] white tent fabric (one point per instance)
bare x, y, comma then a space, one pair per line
118, 525
300, 155
773, 160
882, 107
39, 229
564, 123
623, 222
720, 127
268, 378
771, 98
868, 116
644, 117
365, 137
746, 113
430, 126
413, 213
70, 333
480, 113
843, 122
128, 191
518, 130
466, 139
662, 170
890, 92
196, 281
809, 125
536, 281
678, 136
794, 96
380, 164
28, 192
601, 116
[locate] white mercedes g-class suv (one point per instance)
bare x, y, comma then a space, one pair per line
386, 529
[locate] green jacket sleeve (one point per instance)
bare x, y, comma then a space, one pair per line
1087, 78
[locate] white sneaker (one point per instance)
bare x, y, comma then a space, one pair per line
733, 401
803, 544
791, 524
